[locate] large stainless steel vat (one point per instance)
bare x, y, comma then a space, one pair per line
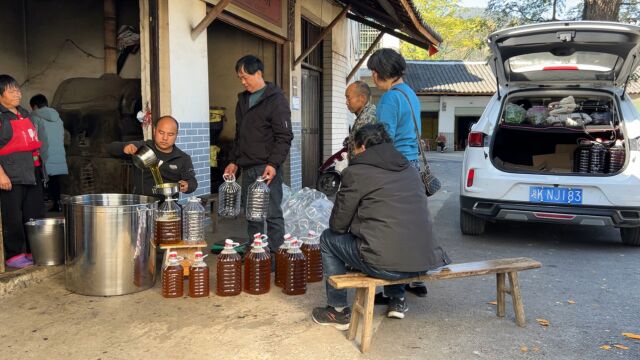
109, 247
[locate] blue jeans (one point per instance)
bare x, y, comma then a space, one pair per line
339, 250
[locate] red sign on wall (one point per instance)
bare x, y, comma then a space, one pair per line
270, 10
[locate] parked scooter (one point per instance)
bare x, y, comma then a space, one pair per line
329, 177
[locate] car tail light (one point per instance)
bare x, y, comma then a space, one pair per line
470, 175
475, 139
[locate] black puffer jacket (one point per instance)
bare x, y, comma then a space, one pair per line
175, 166
383, 204
18, 166
263, 132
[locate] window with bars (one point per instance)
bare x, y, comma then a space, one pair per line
367, 37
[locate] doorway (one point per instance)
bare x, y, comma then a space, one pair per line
463, 128
429, 128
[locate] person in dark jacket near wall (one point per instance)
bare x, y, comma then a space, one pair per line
175, 165
262, 143
377, 226
21, 191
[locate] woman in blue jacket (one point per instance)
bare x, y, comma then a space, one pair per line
394, 110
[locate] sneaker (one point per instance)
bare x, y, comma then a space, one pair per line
419, 289
19, 261
397, 308
330, 316
29, 256
381, 299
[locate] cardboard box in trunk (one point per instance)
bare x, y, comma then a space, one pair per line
561, 161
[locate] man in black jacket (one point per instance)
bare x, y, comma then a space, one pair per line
263, 139
379, 225
175, 165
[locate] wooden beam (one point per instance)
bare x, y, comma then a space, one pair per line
239, 23
365, 55
211, 15
399, 35
323, 34
418, 24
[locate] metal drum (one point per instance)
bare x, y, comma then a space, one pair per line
109, 246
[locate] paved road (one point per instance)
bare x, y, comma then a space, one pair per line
588, 266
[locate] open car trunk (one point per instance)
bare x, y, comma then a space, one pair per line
560, 132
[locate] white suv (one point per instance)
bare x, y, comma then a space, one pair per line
560, 140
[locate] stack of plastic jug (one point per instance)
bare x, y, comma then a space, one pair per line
311, 250
229, 197
257, 270
199, 276
295, 270
193, 221
280, 256
258, 200
168, 223
229, 270
172, 277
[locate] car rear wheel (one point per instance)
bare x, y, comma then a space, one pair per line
471, 225
630, 236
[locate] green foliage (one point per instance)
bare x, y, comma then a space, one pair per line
464, 34
519, 12
507, 13
630, 12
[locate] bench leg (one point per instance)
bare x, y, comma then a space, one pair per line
356, 312
367, 326
501, 294
516, 298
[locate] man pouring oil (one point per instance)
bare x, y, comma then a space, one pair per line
175, 166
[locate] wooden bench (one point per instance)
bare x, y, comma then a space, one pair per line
366, 288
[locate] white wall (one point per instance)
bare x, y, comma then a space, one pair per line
188, 63
452, 106
188, 93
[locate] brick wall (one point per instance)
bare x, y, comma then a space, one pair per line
193, 138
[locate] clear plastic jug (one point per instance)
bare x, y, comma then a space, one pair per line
258, 200
168, 223
193, 221
229, 197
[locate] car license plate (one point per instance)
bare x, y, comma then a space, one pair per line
555, 195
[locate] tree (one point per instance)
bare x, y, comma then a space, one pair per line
519, 12
601, 10
464, 31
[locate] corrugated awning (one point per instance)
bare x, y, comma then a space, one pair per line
399, 18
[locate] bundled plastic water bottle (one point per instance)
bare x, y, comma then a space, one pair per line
229, 197
193, 221
258, 200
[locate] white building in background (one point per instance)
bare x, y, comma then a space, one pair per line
453, 95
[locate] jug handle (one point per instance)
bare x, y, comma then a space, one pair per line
229, 177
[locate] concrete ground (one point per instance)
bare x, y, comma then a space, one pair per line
588, 289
